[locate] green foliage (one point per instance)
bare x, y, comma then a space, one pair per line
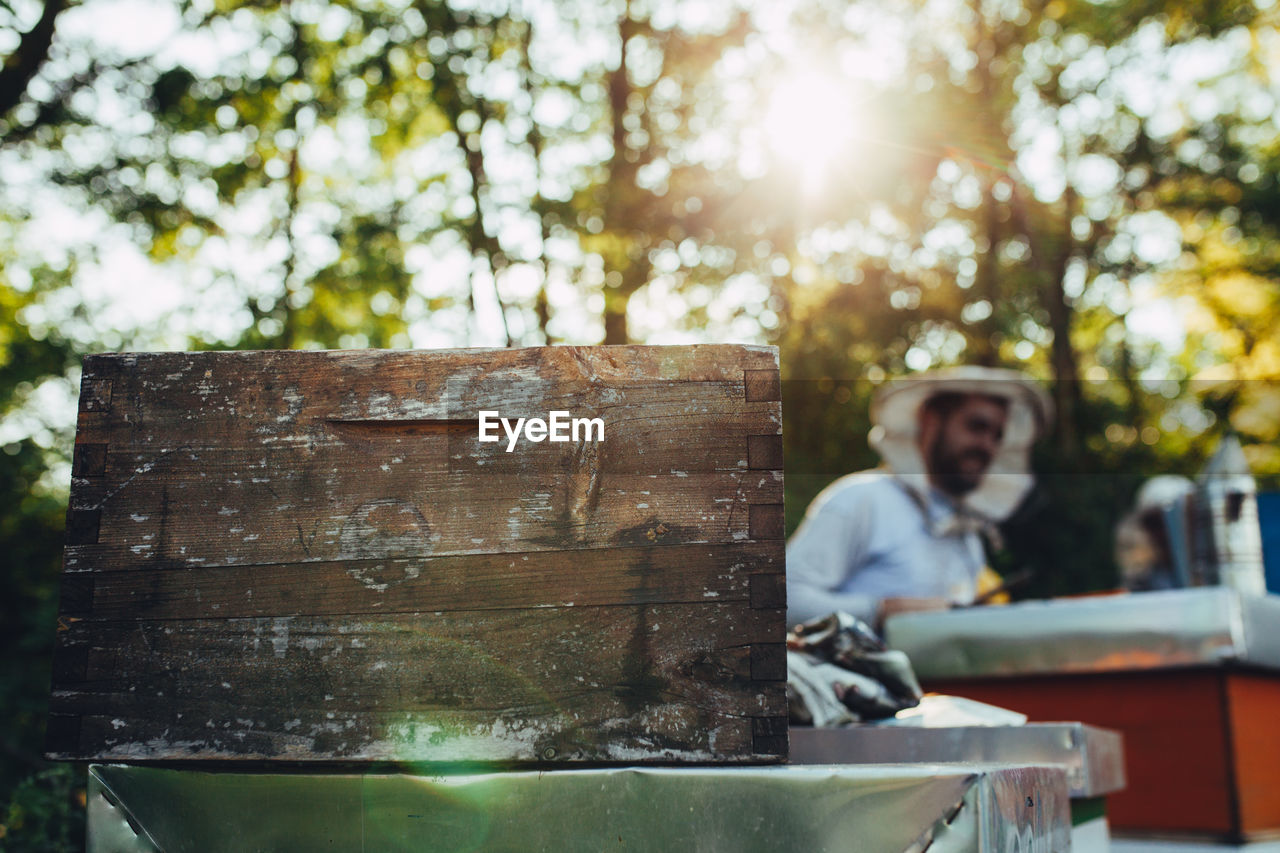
31, 528
31, 541
25, 360
46, 812
39, 814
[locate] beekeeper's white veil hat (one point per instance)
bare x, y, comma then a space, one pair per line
895, 427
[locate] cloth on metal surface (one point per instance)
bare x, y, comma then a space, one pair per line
880, 809
839, 671
937, 711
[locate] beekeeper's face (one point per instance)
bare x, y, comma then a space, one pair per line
960, 438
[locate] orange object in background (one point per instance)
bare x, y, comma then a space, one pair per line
1189, 677
1202, 745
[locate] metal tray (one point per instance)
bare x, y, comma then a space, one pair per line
1093, 758
1150, 630
871, 809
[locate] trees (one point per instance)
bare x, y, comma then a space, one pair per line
312, 173
31, 538
1047, 203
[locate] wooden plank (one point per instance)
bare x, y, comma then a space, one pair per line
287, 396
634, 575
313, 556
211, 512
561, 675
651, 419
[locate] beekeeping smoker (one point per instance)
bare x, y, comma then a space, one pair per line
956, 447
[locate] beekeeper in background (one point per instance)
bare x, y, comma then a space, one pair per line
956, 447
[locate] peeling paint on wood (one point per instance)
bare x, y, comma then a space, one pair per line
310, 557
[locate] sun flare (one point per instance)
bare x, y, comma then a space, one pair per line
811, 124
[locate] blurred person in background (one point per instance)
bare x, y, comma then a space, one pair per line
908, 535
1145, 544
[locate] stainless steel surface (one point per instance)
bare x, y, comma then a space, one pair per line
1093, 758
1229, 537
1103, 769
1148, 630
1260, 620
894, 809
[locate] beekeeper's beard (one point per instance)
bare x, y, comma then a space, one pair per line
956, 470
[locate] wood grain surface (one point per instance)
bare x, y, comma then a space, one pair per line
311, 557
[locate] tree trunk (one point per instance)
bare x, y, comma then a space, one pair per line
985, 350
290, 333
534, 139
988, 282
1050, 263
622, 178
1066, 367
25, 61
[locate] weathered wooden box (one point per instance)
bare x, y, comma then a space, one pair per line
311, 556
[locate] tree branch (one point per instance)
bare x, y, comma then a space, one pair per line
32, 51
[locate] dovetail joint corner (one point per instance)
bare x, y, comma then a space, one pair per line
768, 591
62, 735
89, 460
762, 386
766, 521
768, 662
769, 735
95, 395
764, 452
82, 526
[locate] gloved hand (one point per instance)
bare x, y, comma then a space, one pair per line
848, 657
